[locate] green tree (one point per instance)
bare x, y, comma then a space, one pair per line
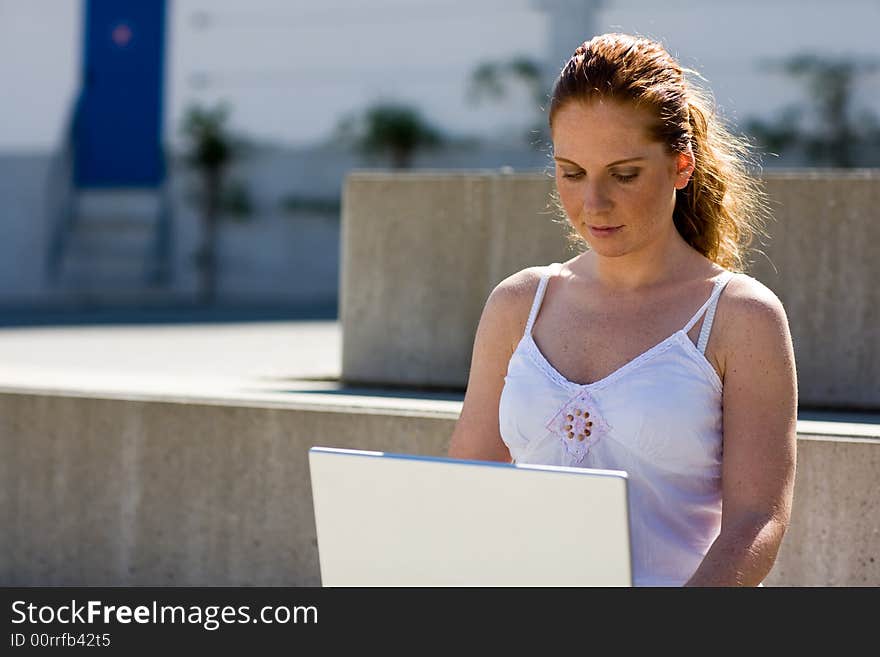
390, 129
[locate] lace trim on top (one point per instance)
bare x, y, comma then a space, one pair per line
554, 375
538, 358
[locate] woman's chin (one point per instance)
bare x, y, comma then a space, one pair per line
606, 250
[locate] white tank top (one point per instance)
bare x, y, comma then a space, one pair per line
658, 417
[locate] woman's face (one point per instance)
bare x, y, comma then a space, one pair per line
616, 184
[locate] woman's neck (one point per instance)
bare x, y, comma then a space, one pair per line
662, 261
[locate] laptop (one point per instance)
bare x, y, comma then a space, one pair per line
387, 519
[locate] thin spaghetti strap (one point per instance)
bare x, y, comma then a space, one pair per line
710, 314
539, 294
710, 303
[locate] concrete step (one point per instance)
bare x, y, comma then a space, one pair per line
110, 253
108, 233
115, 225
104, 274
119, 206
218, 433
89, 294
89, 251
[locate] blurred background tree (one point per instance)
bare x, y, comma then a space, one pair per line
389, 129
827, 128
210, 149
494, 81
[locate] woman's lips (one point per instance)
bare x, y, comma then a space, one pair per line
604, 231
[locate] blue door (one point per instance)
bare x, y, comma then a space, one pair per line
118, 125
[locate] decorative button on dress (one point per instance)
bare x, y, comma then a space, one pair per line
658, 418
578, 424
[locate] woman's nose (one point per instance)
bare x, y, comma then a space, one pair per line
595, 198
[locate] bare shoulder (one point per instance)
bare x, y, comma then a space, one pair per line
520, 284
510, 301
750, 317
746, 300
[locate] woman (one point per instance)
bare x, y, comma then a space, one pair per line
649, 352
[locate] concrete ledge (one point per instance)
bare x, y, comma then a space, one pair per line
215, 491
115, 492
834, 535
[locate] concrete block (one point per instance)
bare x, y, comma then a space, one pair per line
834, 535
413, 287
823, 263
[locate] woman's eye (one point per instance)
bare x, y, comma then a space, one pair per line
625, 178
573, 176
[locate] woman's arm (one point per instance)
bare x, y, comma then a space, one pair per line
759, 449
477, 434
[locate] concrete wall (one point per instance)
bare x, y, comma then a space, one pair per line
422, 251
825, 255
117, 492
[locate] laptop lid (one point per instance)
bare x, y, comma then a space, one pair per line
399, 520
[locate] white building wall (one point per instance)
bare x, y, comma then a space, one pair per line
39, 71
289, 69
292, 68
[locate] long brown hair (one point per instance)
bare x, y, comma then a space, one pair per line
723, 206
